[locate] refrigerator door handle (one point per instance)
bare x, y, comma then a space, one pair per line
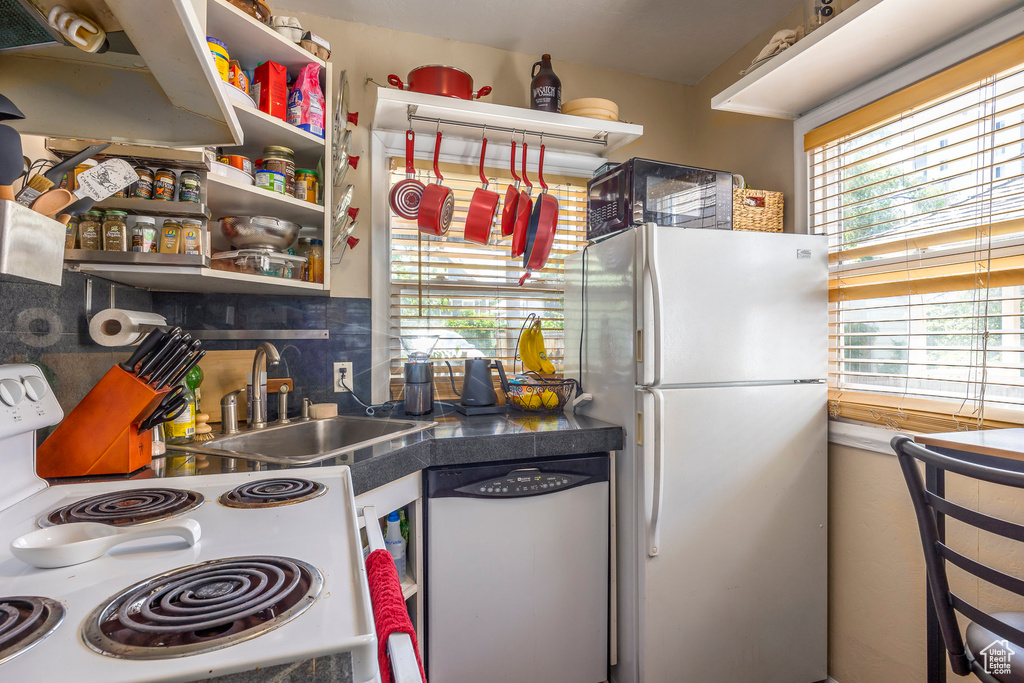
657, 441
652, 340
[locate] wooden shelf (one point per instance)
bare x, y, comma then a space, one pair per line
251, 42
262, 130
191, 279
229, 198
867, 40
590, 136
409, 588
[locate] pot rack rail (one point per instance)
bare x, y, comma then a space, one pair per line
602, 140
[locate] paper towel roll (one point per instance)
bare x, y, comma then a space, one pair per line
116, 327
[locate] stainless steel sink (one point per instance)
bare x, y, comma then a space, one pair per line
304, 443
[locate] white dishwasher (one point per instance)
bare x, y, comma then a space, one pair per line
517, 572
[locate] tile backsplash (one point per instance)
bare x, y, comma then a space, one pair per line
48, 326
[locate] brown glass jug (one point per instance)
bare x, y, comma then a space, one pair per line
546, 89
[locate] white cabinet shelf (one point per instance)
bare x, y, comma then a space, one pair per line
563, 133
251, 42
262, 130
867, 40
190, 279
229, 198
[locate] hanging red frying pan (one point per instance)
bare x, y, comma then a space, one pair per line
523, 208
438, 202
543, 222
482, 208
508, 213
406, 194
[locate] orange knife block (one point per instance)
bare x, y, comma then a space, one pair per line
101, 435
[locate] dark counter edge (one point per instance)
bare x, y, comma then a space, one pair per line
443, 448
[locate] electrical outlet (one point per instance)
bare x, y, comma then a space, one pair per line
342, 371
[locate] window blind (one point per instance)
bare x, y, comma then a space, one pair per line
469, 293
924, 210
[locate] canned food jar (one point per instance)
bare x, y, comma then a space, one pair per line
143, 187
84, 166
189, 185
144, 234
191, 236
220, 56
282, 160
71, 233
316, 261
115, 231
163, 185
238, 161
307, 185
273, 181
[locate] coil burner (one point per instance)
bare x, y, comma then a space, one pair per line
127, 508
272, 492
202, 607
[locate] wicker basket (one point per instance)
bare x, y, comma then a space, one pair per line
759, 210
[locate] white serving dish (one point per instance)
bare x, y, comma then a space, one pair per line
237, 95
236, 174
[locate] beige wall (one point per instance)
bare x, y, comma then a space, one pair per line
760, 149
876, 623
664, 109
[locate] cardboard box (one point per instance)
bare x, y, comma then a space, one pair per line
270, 89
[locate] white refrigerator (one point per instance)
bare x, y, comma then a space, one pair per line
710, 348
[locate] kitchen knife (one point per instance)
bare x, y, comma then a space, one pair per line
166, 346
178, 366
169, 362
147, 346
55, 174
185, 370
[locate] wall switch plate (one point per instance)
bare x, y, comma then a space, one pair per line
345, 367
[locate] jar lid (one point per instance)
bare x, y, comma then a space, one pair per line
320, 242
142, 167
275, 150
211, 39
192, 221
95, 213
172, 221
164, 170
189, 172
145, 219
306, 171
117, 213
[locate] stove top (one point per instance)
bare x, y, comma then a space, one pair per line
272, 492
127, 508
25, 621
203, 607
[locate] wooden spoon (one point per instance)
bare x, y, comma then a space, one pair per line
52, 201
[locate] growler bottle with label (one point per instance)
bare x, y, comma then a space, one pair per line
546, 89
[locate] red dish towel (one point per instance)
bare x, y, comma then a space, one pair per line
389, 611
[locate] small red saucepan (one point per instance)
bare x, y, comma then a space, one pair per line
436, 79
406, 194
541, 234
523, 209
482, 208
438, 202
508, 213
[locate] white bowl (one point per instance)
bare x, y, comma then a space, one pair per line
236, 94
236, 174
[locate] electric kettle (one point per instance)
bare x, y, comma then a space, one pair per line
478, 386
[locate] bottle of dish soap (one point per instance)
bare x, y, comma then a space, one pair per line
396, 544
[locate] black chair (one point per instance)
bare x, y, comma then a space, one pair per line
986, 631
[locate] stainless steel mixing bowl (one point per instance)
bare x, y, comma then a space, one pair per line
259, 232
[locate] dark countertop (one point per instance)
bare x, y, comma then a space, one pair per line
456, 440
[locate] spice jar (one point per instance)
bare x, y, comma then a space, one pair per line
307, 185
144, 234
84, 166
115, 231
71, 233
90, 231
316, 261
163, 185
191, 236
143, 187
282, 160
170, 237
188, 187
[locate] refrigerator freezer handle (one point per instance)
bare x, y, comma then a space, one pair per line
657, 442
652, 319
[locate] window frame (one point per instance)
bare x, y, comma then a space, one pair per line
385, 144
969, 45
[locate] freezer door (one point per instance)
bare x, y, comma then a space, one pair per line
733, 583
722, 306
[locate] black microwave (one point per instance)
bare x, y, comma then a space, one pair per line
643, 191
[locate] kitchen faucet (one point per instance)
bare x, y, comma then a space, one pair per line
266, 352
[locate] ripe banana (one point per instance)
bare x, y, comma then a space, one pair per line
532, 352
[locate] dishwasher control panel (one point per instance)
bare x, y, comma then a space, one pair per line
522, 483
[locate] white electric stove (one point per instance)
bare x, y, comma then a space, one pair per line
264, 586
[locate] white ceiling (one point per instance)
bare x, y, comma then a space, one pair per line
673, 40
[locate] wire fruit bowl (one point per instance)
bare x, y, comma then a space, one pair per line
534, 394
